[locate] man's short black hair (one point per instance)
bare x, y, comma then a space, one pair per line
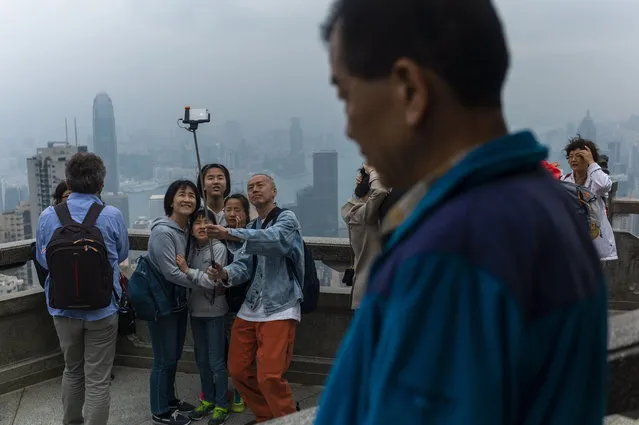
462, 41
175, 188
85, 173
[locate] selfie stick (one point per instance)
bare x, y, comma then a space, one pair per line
195, 117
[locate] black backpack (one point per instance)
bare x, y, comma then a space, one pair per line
310, 283
81, 275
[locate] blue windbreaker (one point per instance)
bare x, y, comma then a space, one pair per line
487, 306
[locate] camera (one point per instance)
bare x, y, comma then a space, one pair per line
196, 115
364, 186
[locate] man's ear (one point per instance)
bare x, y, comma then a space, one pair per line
411, 89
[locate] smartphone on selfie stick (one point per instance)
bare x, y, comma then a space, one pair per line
193, 118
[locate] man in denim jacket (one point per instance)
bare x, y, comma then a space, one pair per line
266, 323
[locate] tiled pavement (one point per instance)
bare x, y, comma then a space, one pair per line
40, 404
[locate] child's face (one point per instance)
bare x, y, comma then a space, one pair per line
234, 212
199, 229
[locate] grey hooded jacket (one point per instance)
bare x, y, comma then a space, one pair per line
166, 241
203, 302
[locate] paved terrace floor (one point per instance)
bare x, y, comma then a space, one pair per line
41, 404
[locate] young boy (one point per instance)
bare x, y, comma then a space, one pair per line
208, 308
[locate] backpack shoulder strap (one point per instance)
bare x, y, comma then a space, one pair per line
92, 214
272, 216
62, 211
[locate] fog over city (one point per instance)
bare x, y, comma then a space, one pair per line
261, 62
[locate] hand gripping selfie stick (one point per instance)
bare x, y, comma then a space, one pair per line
193, 118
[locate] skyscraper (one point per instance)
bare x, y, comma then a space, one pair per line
296, 163
587, 128
45, 171
317, 207
296, 138
104, 140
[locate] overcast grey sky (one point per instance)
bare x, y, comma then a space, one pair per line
261, 61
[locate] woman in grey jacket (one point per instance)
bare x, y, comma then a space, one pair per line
167, 242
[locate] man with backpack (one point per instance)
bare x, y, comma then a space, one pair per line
81, 243
281, 284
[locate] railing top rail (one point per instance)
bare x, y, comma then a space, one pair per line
625, 206
330, 250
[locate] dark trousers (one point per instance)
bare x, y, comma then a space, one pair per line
167, 339
209, 343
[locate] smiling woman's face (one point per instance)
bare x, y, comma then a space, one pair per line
184, 202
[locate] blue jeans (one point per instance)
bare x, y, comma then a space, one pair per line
167, 340
209, 343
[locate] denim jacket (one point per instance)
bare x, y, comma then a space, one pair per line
280, 240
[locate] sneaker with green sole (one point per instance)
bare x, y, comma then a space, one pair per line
219, 416
238, 405
202, 411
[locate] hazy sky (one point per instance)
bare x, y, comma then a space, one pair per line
261, 61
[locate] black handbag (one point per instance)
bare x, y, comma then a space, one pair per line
126, 313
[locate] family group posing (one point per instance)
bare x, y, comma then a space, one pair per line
205, 252
240, 287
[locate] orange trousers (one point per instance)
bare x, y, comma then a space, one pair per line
259, 354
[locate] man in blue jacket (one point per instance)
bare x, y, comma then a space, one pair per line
487, 304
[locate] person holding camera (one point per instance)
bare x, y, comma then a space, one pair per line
583, 157
361, 215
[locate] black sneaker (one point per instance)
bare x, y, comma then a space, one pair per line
175, 418
181, 406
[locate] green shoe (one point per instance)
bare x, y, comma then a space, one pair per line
203, 410
219, 416
238, 405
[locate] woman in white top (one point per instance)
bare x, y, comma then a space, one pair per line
582, 156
